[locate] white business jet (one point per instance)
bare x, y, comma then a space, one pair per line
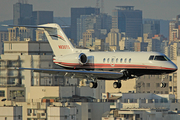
84, 63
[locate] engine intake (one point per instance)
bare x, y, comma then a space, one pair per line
82, 59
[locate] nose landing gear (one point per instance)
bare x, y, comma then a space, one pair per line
163, 84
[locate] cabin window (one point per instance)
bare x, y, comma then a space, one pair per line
125, 60
121, 60
104, 60
129, 60
112, 60
151, 57
116, 60
108, 60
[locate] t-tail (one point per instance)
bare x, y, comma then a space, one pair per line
57, 39
59, 42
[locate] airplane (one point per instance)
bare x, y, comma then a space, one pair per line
101, 65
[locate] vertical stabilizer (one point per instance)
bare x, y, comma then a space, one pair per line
57, 39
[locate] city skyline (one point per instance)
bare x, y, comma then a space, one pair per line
166, 10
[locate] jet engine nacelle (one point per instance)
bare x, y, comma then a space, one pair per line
75, 58
82, 59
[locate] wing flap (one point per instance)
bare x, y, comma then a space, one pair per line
79, 73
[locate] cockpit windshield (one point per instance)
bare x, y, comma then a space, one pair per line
159, 58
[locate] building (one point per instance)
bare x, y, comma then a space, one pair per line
89, 38
113, 38
153, 44
20, 34
173, 82
174, 30
140, 46
174, 50
141, 114
22, 13
3, 37
127, 44
26, 54
128, 20
42, 17
75, 14
86, 22
151, 84
11, 113
151, 27
178, 78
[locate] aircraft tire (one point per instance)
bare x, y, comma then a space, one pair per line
163, 85
119, 85
93, 84
115, 85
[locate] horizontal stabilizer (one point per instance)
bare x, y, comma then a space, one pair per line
30, 26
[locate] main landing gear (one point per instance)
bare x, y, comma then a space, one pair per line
93, 84
117, 84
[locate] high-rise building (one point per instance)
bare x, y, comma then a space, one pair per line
22, 13
76, 13
86, 22
174, 30
151, 27
42, 17
128, 20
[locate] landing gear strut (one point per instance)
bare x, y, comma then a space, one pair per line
93, 84
163, 84
117, 84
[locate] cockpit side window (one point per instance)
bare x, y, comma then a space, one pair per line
161, 58
151, 57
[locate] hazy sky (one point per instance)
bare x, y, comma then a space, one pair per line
155, 9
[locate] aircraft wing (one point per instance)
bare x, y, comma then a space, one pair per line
79, 73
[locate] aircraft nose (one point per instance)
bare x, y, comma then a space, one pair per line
174, 67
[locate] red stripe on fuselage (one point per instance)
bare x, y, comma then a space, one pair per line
122, 66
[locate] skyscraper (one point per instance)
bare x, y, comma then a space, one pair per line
22, 13
128, 20
151, 27
42, 17
76, 13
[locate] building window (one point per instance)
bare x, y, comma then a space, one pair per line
170, 78
29, 111
89, 110
2, 93
170, 89
147, 84
129, 60
157, 85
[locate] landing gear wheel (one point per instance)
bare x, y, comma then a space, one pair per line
163, 85
117, 85
93, 84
